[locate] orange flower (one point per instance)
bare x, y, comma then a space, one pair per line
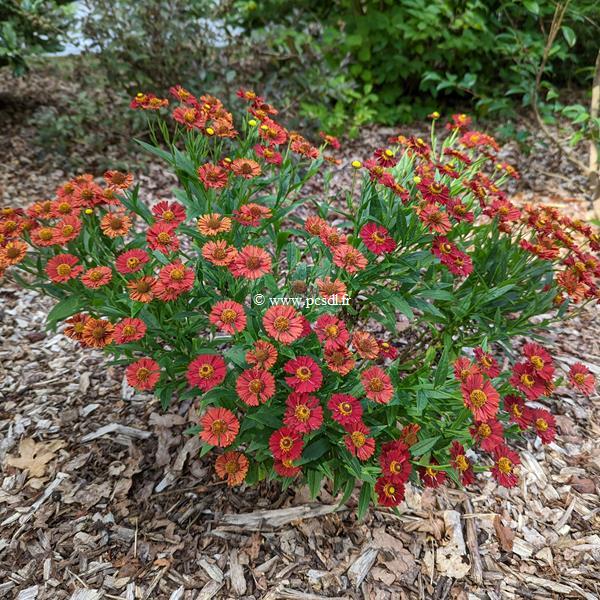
63, 267
219, 253
213, 224
232, 466
283, 323
245, 167
366, 345
228, 316
219, 427
349, 258
118, 180
143, 374
13, 253
97, 333
96, 277
329, 288
263, 355
75, 326
142, 289
115, 224
251, 262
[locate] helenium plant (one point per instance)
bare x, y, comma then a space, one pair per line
278, 310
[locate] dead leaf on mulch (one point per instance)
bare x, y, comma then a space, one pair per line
505, 535
34, 456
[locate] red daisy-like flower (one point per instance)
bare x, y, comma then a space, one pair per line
394, 461
366, 345
228, 316
62, 267
176, 277
305, 374
387, 350
358, 442
377, 238
389, 493
349, 258
268, 154
143, 374
464, 368
332, 237
377, 385
434, 191
206, 371
517, 411
96, 277
314, 225
487, 363
262, 355
540, 360
581, 379
129, 330
303, 413
331, 331
385, 157
345, 409
131, 261
212, 176
286, 468
435, 219
171, 213
246, 168
461, 463
219, 427
480, 397
488, 434
251, 262
161, 236
251, 214
526, 380
219, 253
339, 360
432, 477
457, 262
286, 444
273, 133
283, 323
232, 466
544, 423
255, 386
504, 466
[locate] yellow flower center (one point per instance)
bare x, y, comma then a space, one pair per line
579, 378
302, 412
286, 443
256, 386
177, 274
527, 380
478, 398
163, 237
541, 424
358, 439
484, 430
228, 315
218, 427
505, 465
461, 462
63, 269
281, 323
206, 371
143, 374
345, 408
303, 373
537, 362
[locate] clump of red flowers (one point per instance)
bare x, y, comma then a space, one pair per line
281, 324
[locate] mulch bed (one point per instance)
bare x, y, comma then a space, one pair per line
103, 496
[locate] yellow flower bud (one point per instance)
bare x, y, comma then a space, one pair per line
388, 152
356, 164
417, 179
89, 211
252, 123
435, 114
210, 131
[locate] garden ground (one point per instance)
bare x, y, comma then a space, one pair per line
104, 497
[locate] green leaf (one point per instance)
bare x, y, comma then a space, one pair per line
65, 308
423, 446
366, 493
569, 35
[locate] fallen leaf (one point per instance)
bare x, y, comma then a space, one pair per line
34, 456
505, 535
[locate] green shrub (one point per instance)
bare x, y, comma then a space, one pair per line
29, 27
412, 56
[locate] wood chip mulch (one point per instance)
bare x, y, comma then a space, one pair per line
103, 496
